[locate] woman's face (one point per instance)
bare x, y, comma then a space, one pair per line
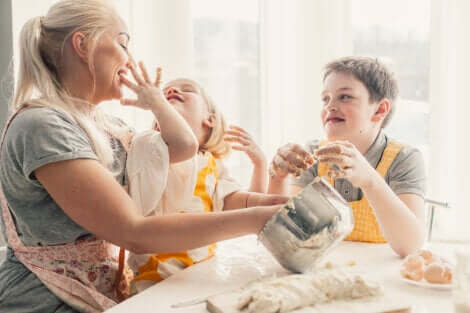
110, 60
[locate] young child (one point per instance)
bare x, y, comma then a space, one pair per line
383, 180
201, 183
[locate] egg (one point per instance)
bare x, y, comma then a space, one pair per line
413, 267
438, 273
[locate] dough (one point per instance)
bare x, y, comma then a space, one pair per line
284, 294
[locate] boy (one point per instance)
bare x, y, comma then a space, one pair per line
383, 180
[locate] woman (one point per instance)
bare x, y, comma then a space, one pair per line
62, 164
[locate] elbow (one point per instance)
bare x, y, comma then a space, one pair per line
186, 149
135, 246
409, 248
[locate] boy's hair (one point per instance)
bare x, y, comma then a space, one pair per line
375, 76
215, 144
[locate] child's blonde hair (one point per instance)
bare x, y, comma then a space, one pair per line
42, 42
216, 143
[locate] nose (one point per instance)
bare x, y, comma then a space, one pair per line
330, 106
171, 91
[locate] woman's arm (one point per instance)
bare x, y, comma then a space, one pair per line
92, 198
247, 199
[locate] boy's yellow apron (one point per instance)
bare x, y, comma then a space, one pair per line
366, 227
149, 271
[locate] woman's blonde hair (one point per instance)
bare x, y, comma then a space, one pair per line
42, 43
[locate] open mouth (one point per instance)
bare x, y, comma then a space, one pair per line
174, 97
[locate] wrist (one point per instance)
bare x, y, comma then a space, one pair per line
370, 182
259, 162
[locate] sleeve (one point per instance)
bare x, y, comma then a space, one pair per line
40, 136
407, 173
147, 169
309, 174
226, 185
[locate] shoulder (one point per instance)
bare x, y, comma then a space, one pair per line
39, 118
408, 156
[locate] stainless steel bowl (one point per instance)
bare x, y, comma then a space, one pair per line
308, 226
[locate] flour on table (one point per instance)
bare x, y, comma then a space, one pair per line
284, 294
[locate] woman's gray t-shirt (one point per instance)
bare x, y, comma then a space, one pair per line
36, 137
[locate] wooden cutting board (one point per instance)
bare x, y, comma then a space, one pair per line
227, 303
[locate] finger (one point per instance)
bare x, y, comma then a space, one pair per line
286, 166
145, 74
332, 149
336, 159
136, 75
237, 139
238, 134
239, 148
129, 102
299, 150
123, 79
293, 158
158, 79
238, 128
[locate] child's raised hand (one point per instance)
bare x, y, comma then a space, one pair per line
346, 162
242, 141
148, 92
290, 159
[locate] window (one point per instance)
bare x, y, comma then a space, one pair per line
226, 64
404, 46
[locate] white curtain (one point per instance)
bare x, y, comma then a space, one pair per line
161, 35
450, 65
297, 39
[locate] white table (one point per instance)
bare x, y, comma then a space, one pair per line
241, 260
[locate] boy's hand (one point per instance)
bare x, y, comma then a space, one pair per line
346, 162
242, 141
290, 159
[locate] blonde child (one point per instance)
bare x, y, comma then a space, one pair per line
201, 183
383, 180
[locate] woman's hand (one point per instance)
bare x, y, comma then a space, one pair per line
290, 159
148, 93
346, 162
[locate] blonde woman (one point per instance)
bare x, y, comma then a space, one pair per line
62, 165
161, 186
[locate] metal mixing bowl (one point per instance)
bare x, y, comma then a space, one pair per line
308, 226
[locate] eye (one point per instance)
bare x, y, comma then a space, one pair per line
123, 46
345, 97
325, 99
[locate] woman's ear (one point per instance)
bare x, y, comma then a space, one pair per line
80, 46
382, 110
210, 121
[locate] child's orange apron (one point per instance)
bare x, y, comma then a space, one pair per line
83, 273
366, 227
